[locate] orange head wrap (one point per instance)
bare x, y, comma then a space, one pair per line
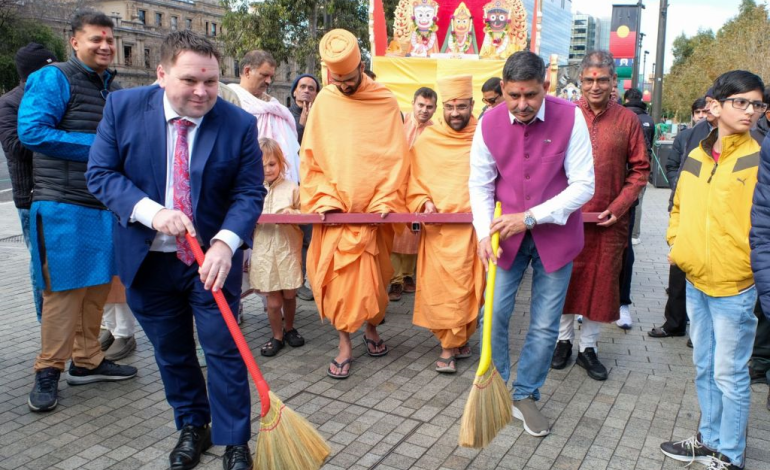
339, 50
459, 87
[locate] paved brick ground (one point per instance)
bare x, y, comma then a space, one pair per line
394, 412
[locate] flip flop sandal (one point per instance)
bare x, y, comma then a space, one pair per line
448, 368
464, 355
293, 338
339, 366
272, 347
376, 345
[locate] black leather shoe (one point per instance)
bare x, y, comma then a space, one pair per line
590, 362
237, 458
191, 444
561, 355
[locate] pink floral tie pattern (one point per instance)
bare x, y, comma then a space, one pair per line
182, 198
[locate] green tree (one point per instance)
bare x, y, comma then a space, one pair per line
17, 32
683, 46
292, 29
742, 43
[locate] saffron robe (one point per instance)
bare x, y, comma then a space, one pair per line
451, 277
621, 167
353, 159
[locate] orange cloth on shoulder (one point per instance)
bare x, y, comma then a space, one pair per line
353, 159
450, 276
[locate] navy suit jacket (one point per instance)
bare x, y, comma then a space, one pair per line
128, 162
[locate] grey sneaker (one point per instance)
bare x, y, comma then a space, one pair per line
534, 422
121, 347
107, 371
105, 339
305, 294
689, 450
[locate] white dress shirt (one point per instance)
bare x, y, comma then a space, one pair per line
146, 209
578, 165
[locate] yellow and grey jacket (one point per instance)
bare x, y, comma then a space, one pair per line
709, 226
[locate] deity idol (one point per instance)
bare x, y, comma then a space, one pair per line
460, 38
424, 39
505, 30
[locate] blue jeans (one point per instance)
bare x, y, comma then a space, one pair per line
722, 330
549, 291
37, 292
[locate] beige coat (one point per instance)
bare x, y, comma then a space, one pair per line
276, 259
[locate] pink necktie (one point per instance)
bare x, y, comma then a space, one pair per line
182, 198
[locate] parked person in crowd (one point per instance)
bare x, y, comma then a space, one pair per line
206, 143
405, 243
622, 167
58, 117
277, 254
720, 290
633, 101
492, 94
29, 59
759, 367
349, 265
534, 156
304, 89
274, 121
451, 274
675, 312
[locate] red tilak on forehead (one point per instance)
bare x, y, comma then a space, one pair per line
594, 74
104, 33
203, 70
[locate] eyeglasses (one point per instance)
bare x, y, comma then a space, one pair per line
491, 101
743, 104
601, 81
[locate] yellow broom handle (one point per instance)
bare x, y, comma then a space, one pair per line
489, 299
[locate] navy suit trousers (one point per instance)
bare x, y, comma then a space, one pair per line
166, 297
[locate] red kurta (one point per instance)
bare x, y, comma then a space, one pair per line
621, 169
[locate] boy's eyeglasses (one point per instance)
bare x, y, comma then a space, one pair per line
491, 101
743, 104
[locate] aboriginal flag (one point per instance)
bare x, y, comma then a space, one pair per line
623, 31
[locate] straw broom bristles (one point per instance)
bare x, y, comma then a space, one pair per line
487, 411
287, 441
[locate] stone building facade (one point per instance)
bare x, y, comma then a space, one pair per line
140, 27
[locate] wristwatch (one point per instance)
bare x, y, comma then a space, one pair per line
529, 220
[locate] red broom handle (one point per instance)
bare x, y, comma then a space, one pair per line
262, 388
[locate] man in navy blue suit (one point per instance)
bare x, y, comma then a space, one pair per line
169, 160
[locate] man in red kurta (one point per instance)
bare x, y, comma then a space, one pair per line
621, 168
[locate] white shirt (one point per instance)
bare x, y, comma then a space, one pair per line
146, 209
578, 165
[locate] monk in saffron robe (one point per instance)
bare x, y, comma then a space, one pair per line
353, 159
621, 168
451, 286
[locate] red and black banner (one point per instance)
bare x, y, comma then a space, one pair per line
623, 31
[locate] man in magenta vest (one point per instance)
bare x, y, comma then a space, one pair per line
534, 156
622, 167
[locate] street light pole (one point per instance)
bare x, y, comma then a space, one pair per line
657, 93
638, 48
644, 69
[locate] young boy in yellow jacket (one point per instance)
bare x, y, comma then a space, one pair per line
709, 237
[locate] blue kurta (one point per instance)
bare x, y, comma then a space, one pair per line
77, 240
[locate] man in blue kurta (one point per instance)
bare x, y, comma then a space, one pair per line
71, 230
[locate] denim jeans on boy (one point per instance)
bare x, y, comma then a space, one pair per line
549, 291
37, 292
722, 330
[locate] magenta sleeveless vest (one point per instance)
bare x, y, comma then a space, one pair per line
530, 165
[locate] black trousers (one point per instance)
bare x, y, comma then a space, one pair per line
627, 269
676, 306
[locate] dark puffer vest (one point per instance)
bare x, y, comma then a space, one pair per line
62, 180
